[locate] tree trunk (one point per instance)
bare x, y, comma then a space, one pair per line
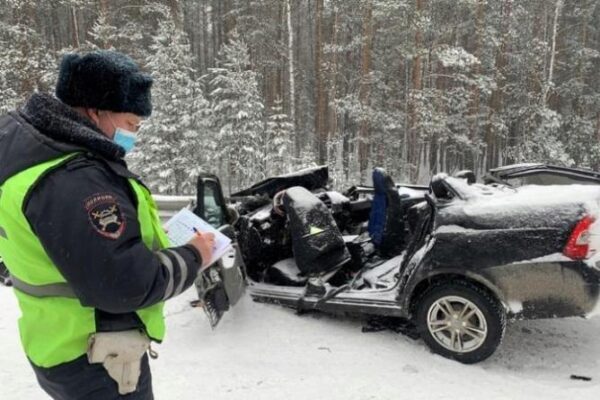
104, 5
493, 140
217, 25
208, 58
174, 8
75, 27
228, 19
557, 9
413, 121
290, 49
321, 100
406, 138
364, 140
332, 92
473, 162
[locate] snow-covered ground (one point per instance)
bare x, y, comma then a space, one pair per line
264, 351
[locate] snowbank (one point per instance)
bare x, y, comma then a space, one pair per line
267, 352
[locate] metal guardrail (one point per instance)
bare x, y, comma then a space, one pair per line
170, 205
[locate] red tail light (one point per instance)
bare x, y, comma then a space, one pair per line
578, 245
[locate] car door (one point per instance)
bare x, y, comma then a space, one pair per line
227, 276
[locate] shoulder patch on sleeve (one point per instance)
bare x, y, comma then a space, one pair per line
105, 215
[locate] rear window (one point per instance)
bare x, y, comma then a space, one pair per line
546, 178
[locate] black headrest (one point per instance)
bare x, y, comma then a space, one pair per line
466, 174
438, 186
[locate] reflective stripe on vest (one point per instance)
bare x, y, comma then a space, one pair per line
54, 326
49, 290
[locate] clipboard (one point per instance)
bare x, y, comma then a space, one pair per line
180, 230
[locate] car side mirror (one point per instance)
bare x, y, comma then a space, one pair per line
210, 202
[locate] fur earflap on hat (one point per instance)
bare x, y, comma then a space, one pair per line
105, 80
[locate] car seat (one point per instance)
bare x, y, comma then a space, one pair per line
317, 242
386, 223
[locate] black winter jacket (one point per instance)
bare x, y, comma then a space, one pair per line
110, 270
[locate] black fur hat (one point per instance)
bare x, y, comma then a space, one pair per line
106, 80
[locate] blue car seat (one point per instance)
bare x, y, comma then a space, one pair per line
386, 225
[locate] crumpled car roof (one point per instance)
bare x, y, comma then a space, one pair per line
309, 178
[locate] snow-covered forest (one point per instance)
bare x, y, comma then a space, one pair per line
251, 88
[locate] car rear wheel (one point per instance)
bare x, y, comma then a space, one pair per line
461, 321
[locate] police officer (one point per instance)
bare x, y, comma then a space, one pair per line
80, 234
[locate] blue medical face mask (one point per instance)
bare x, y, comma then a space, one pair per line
125, 139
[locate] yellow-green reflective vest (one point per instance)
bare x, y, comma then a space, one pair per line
55, 329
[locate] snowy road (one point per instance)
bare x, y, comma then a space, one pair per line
266, 352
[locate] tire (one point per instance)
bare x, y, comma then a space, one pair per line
461, 321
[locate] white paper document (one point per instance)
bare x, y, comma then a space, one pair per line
180, 230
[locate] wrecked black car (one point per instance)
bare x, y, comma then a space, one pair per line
456, 258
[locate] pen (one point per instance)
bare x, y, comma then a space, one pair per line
198, 233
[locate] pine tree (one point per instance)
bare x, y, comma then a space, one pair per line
9, 96
173, 148
116, 30
278, 141
23, 64
237, 109
104, 35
